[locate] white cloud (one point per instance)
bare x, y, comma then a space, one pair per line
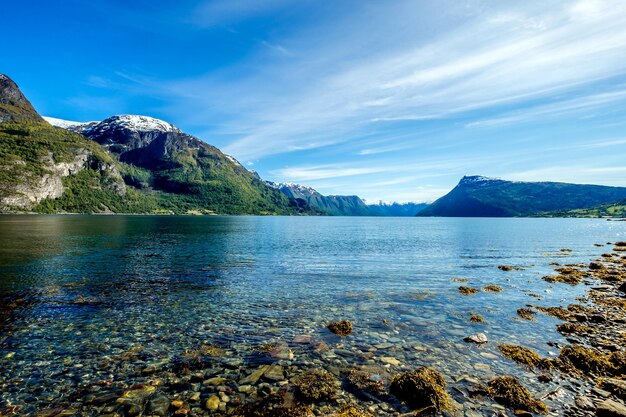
483, 64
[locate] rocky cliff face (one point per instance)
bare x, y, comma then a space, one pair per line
31, 188
13, 105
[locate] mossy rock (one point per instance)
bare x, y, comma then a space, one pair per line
316, 385
492, 288
340, 328
508, 391
421, 388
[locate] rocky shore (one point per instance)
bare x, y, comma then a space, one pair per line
332, 373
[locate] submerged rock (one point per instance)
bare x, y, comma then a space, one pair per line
421, 388
526, 313
509, 268
467, 290
340, 328
477, 318
212, 403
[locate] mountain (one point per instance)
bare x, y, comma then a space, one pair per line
396, 209
14, 107
333, 205
37, 159
477, 196
339, 205
124, 164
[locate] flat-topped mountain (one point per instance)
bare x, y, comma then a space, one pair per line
477, 196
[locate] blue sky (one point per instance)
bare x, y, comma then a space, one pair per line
392, 100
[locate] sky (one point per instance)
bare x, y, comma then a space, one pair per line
389, 100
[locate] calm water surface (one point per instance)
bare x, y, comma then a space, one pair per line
76, 288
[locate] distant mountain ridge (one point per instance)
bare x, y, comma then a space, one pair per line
396, 209
478, 196
334, 205
345, 205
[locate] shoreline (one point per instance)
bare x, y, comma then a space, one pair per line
33, 214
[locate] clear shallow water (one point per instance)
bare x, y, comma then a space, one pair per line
75, 289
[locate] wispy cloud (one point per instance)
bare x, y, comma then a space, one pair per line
436, 89
514, 53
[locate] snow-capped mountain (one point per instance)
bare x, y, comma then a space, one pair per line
132, 122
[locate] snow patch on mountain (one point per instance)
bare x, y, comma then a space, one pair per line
66, 124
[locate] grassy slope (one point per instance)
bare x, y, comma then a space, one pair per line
614, 209
218, 184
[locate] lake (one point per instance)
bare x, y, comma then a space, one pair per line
92, 303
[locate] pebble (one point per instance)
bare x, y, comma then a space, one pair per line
254, 376
478, 338
213, 403
391, 361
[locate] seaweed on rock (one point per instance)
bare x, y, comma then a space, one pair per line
508, 391
421, 388
362, 384
578, 359
316, 385
525, 356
